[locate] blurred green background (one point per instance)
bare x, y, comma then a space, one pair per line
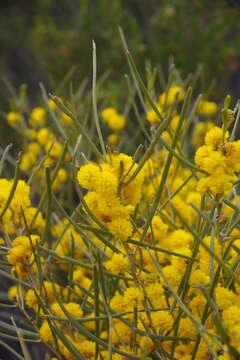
41, 40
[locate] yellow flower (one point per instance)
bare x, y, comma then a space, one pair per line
80, 278
214, 137
224, 297
87, 348
14, 118
207, 108
175, 92
178, 262
121, 333
152, 117
37, 117
31, 133
12, 292
194, 198
107, 113
147, 345
219, 184
118, 264
218, 158
174, 122
198, 277
166, 136
39, 222
133, 297
214, 162
48, 162
120, 228
162, 321
44, 136
88, 176
178, 238
183, 352
112, 139
117, 303
231, 316
31, 299
199, 132
50, 290
202, 153
110, 207
159, 228
60, 179
234, 335
197, 304
34, 148
62, 175
28, 160
54, 148
173, 275
45, 332
16, 254
65, 119
52, 104
233, 155
21, 249
154, 291
21, 197
116, 122
187, 328
106, 183
120, 162
73, 309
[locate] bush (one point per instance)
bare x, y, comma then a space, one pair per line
49, 37
120, 239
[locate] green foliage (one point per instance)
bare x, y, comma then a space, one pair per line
50, 36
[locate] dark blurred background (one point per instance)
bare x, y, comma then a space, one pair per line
41, 40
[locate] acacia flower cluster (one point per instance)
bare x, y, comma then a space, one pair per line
138, 257
219, 158
115, 122
41, 145
109, 198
